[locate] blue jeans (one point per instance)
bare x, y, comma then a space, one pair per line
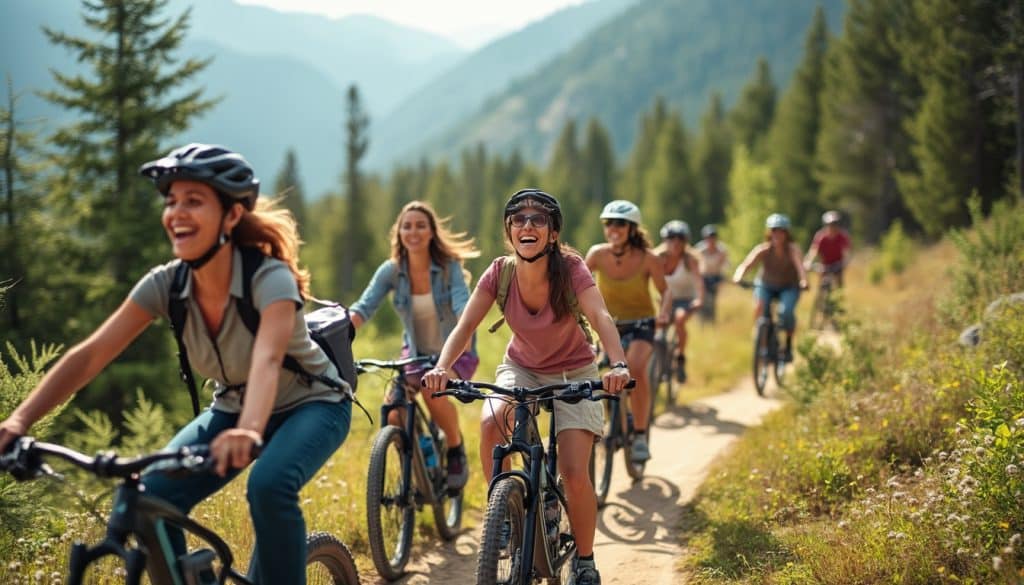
787, 296
297, 443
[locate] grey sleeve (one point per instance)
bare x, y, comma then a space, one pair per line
152, 291
273, 282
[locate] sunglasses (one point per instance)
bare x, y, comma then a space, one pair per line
537, 220
614, 222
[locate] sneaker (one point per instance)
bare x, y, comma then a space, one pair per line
640, 451
458, 470
680, 368
586, 575
787, 355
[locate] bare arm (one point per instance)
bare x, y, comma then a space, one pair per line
592, 255
752, 258
77, 368
796, 255
592, 305
233, 447
694, 268
656, 270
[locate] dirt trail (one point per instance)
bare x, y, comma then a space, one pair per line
637, 532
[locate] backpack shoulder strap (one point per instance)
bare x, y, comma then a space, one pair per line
508, 270
577, 312
177, 313
252, 259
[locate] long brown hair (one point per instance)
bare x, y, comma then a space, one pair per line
445, 245
274, 231
559, 277
638, 237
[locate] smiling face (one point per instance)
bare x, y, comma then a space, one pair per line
414, 231
194, 218
616, 232
529, 239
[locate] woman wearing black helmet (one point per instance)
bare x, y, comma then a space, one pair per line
547, 345
210, 209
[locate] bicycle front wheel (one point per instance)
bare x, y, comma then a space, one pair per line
779, 364
502, 544
762, 357
329, 562
390, 518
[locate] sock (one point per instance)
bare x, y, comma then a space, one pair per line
587, 561
453, 451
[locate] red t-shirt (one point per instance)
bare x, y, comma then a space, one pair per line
831, 247
539, 342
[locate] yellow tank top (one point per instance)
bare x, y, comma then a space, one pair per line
626, 299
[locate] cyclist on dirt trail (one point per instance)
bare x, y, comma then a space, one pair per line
623, 267
831, 244
548, 345
426, 274
685, 286
782, 275
210, 211
714, 266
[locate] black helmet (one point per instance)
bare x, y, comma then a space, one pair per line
226, 171
538, 198
708, 231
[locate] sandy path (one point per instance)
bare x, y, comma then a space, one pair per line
637, 532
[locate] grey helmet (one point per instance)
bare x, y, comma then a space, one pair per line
230, 175
622, 209
675, 228
708, 231
777, 221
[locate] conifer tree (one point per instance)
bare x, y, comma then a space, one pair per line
17, 207
754, 198
795, 131
354, 265
289, 185
598, 169
564, 173
132, 94
466, 214
644, 146
669, 191
712, 161
755, 108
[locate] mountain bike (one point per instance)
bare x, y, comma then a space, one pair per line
768, 354
824, 308
526, 535
663, 368
408, 469
137, 527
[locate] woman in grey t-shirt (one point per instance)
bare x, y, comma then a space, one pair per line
211, 208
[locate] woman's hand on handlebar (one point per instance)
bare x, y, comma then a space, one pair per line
615, 380
10, 430
234, 449
435, 379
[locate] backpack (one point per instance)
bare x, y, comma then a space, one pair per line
329, 326
508, 270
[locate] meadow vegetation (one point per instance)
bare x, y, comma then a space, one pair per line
899, 458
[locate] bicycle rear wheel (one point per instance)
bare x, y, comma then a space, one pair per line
778, 363
634, 469
447, 509
501, 546
762, 357
602, 456
390, 520
659, 372
328, 561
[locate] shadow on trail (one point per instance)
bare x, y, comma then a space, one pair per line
437, 562
697, 416
635, 517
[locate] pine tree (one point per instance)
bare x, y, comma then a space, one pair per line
669, 191
289, 185
712, 161
795, 132
755, 108
18, 205
642, 156
564, 177
598, 169
864, 109
754, 198
353, 262
132, 94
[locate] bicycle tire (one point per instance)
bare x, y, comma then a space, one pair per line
447, 509
390, 522
658, 372
761, 357
328, 561
499, 562
633, 469
603, 455
778, 364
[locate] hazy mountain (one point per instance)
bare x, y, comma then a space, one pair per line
460, 90
681, 49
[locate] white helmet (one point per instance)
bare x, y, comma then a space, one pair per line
830, 217
622, 209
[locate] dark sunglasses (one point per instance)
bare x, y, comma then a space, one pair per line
614, 222
537, 220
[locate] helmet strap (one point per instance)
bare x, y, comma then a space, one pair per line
538, 256
224, 238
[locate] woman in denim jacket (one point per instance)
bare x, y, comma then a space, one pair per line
426, 274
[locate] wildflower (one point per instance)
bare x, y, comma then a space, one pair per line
1019, 422
1015, 539
979, 451
842, 524
1012, 469
997, 563
943, 455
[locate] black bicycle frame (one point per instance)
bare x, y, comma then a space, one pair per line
414, 427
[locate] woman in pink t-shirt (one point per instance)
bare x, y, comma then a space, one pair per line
547, 346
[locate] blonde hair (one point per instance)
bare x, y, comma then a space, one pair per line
445, 245
274, 232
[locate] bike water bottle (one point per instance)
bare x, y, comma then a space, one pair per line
427, 446
197, 567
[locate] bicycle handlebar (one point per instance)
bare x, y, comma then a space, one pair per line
24, 460
369, 364
467, 391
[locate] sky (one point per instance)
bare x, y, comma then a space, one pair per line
469, 23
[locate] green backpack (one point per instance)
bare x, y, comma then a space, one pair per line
508, 270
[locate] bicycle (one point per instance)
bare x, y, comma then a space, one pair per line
136, 529
663, 367
767, 350
824, 307
408, 469
524, 541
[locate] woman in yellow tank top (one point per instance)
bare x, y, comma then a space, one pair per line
623, 267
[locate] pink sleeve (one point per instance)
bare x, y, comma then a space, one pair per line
489, 279
581, 277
